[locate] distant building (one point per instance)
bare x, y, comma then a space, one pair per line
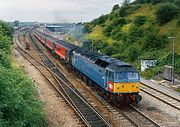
64, 27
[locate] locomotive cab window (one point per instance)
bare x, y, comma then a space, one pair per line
120, 76
133, 75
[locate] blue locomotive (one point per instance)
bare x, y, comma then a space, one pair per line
116, 80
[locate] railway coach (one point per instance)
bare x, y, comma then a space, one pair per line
59, 47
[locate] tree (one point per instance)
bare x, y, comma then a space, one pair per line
166, 13
107, 30
18, 105
87, 28
139, 20
115, 7
122, 11
119, 22
153, 40
5, 29
126, 2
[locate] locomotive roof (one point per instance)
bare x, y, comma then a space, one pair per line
104, 61
90, 55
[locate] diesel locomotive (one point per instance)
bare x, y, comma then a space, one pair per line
116, 80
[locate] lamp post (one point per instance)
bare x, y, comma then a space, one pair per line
173, 38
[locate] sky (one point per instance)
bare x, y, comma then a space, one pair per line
64, 11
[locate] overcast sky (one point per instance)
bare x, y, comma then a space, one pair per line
54, 10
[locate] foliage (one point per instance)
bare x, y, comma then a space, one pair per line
139, 20
115, 7
133, 54
151, 1
123, 11
178, 22
5, 44
5, 60
154, 41
107, 30
150, 72
87, 28
178, 90
166, 13
100, 20
5, 29
119, 22
135, 32
18, 106
177, 3
130, 34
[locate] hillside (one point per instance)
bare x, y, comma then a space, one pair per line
138, 30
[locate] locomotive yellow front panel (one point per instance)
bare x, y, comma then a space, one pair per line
127, 87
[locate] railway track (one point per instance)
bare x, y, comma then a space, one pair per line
133, 117
87, 113
163, 97
48, 75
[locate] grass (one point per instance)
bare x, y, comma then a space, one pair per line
146, 10
97, 33
178, 90
126, 27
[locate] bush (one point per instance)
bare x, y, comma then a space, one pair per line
115, 7
150, 72
4, 60
100, 20
133, 54
119, 22
178, 22
166, 13
107, 30
110, 17
18, 106
87, 28
140, 20
5, 44
122, 11
155, 41
5, 29
151, 1
177, 3
117, 35
136, 32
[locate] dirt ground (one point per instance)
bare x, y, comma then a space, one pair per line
59, 114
